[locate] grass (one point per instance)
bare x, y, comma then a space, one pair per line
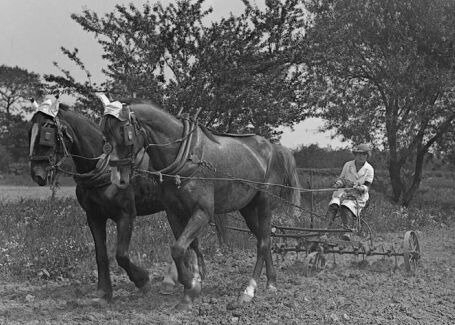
18, 193
50, 238
26, 180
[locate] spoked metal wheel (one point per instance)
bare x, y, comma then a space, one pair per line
313, 264
363, 230
411, 251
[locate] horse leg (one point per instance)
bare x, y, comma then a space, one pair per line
249, 213
257, 216
177, 228
136, 274
171, 278
265, 230
200, 258
186, 260
98, 229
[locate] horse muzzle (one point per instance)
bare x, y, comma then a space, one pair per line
120, 176
39, 175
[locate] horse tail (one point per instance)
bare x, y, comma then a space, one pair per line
293, 181
290, 179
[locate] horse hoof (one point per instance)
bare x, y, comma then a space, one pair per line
103, 295
195, 289
244, 298
271, 288
101, 302
167, 288
184, 306
146, 288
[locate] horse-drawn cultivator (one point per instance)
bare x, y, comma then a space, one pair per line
317, 243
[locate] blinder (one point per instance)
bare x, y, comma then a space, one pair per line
51, 138
128, 131
47, 136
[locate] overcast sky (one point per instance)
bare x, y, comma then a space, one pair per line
32, 32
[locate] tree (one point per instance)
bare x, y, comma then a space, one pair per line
383, 71
241, 70
17, 86
14, 137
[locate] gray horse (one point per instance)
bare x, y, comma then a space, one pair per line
201, 173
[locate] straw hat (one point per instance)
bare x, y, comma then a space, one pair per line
362, 148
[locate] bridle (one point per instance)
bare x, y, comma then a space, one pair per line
52, 134
131, 127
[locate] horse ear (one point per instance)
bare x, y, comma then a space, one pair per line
103, 98
34, 103
125, 113
64, 107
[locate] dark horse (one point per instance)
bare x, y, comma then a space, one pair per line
202, 174
72, 135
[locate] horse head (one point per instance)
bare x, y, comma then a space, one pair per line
48, 142
124, 140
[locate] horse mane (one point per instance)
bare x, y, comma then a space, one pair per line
64, 107
109, 125
66, 112
211, 133
208, 133
133, 101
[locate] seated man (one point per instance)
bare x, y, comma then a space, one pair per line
357, 174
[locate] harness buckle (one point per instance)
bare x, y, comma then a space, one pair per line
178, 181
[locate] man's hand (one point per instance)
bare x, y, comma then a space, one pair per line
348, 183
361, 188
338, 184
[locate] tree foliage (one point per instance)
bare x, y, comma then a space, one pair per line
383, 71
241, 70
14, 137
17, 86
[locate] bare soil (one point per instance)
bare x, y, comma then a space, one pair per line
350, 292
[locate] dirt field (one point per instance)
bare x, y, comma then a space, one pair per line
350, 293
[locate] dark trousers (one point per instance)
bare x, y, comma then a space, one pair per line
344, 213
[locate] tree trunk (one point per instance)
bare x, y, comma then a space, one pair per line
8, 110
395, 164
416, 179
395, 179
